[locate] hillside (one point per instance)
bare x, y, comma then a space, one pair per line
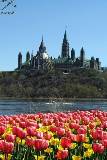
80, 83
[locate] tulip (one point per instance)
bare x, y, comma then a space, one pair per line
82, 130
53, 128
39, 134
98, 148
21, 133
1, 145
81, 138
10, 138
88, 153
47, 136
74, 157
62, 154
54, 141
22, 124
6, 147
31, 131
74, 126
104, 143
30, 142
65, 142
41, 144
2, 130
60, 131
39, 157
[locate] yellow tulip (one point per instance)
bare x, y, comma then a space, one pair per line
2, 157
87, 145
39, 157
74, 157
48, 150
18, 140
9, 156
54, 141
60, 148
73, 145
88, 153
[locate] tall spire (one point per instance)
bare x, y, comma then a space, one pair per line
42, 38
42, 48
65, 47
19, 60
82, 56
27, 56
65, 35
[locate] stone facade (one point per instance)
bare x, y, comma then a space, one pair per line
65, 62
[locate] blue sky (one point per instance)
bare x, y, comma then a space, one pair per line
86, 22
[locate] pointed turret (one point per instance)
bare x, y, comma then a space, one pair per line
65, 35
82, 56
65, 47
98, 63
27, 56
42, 48
31, 61
92, 63
72, 54
19, 60
42, 53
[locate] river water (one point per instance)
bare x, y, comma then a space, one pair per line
8, 107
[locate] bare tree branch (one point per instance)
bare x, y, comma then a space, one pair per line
7, 6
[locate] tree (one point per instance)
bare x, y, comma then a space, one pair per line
7, 7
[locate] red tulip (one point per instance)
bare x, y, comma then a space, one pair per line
104, 136
10, 138
74, 126
81, 138
2, 130
22, 124
31, 131
60, 131
105, 125
98, 148
41, 144
6, 147
104, 143
21, 133
1, 145
47, 136
92, 125
30, 142
62, 154
94, 134
82, 130
53, 128
39, 135
65, 142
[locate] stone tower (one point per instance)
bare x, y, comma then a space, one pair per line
72, 54
19, 60
31, 61
65, 47
98, 63
42, 48
27, 56
82, 57
93, 63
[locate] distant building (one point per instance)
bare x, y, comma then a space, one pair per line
65, 62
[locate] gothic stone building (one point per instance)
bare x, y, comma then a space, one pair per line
65, 62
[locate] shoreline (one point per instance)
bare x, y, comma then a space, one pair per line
53, 99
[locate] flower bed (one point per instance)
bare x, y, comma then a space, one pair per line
80, 135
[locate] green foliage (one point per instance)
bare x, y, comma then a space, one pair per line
80, 83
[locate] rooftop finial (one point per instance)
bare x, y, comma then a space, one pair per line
42, 37
65, 35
